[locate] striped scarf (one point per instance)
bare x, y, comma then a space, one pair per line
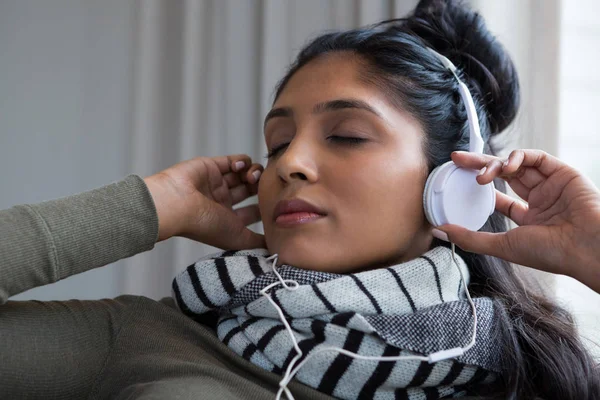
417, 307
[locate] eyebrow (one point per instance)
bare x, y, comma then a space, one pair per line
342, 104
327, 106
278, 112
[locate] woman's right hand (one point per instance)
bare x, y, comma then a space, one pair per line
559, 222
195, 199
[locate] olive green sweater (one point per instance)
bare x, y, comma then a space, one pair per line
130, 347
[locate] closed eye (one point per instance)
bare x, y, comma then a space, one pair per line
345, 140
273, 152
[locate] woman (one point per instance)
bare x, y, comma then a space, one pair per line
357, 124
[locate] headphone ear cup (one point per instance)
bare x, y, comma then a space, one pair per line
427, 197
428, 193
453, 196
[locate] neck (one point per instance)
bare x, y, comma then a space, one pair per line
421, 244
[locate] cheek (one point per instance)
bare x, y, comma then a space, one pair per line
385, 193
267, 194
263, 195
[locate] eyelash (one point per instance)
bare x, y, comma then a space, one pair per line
346, 140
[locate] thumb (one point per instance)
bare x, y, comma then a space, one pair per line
231, 232
248, 239
492, 244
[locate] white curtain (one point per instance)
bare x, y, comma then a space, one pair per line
530, 30
204, 73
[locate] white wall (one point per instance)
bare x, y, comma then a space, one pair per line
65, 69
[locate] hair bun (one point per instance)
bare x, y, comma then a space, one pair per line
453, 29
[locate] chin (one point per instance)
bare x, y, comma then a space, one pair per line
311, 257
300, 255
292, 255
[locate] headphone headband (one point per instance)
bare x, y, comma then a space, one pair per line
475, 139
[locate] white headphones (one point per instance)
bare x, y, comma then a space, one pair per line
452, 194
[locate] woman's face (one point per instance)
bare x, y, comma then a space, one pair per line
338, 144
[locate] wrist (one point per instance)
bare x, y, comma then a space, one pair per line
167, 204
588, 273
587, 268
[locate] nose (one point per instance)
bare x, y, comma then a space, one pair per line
297, 163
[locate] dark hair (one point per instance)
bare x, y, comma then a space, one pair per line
543, 355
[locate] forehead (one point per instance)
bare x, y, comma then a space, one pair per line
330, 76
340, 75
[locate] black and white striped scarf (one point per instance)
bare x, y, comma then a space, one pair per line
417, 307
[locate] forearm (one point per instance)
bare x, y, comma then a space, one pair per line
56, 350
46, 242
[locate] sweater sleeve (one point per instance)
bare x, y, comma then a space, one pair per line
46, 242
58, 349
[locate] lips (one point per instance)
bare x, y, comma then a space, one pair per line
296, 211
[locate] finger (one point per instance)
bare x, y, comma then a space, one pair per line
520, 177
492, 244
514, 162
232, 179
529, 177
537, 159
232, 163
490, 171
511, 207
230, 232
252, 175
252, 188
250, 240
254, 172
519, 188
249, 214
524, 181
466, 159
239, 193
490, 166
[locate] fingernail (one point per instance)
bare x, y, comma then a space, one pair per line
440, 235
256, 174
482, 171
239, 165
505, 163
